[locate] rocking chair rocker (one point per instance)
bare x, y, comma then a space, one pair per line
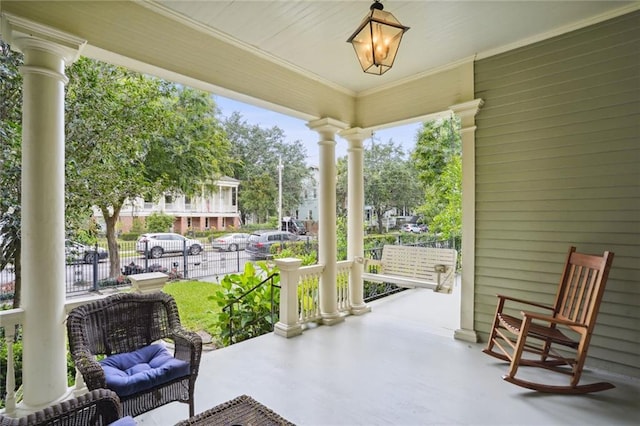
568, 324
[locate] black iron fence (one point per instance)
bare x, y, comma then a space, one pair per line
91, 274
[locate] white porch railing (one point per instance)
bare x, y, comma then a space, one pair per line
308, 293
300, 294
342, 281
299, 305
10, 322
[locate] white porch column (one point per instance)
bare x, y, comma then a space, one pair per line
355, 216
288, 325
467, 112
46, 52
327, 251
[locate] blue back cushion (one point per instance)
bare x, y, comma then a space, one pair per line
133, 372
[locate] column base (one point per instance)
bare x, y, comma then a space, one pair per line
466, 335
22, 409
331, 319
284, 330
360, 309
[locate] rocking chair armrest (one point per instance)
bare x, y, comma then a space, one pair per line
550, 319
525, 302
90, 369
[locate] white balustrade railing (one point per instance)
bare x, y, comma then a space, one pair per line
308, 293
299, 304
10, 322
342, 282
300, 294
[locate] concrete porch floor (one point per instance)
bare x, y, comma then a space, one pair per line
397, 365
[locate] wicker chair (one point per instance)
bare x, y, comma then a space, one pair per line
128, 322
98, 407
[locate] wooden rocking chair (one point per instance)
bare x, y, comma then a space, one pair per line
567, 324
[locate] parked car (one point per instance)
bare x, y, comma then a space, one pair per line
411, 227
157, 244
293, 225
75, 252
230, 242
260, 242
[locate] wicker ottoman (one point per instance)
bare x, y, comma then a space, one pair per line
241, 411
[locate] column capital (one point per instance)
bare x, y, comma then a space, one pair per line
355, 134
24, 34
327, 127
466, 108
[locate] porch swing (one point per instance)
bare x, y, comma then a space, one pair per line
413, 266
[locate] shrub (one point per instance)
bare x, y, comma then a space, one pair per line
137, 227
246, 316
120, 280
202, 234
159, 222
129, 236
308, 258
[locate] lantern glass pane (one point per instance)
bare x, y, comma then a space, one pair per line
377, 40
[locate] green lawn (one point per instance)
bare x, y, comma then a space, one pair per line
196, 310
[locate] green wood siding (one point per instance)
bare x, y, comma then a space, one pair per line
558, 164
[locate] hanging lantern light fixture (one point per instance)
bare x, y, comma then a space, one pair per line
377, 39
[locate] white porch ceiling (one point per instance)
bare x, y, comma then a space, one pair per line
291, 56
310, 36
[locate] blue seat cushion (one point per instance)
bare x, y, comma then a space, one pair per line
133, 372
124, 421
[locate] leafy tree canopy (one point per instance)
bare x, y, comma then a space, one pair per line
389, 180
129, 135
437, 157
256, 153
10, 161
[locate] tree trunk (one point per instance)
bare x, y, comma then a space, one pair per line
112, 241
17, 285
379, 217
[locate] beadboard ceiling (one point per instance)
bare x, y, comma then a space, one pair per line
310, 36
291, 56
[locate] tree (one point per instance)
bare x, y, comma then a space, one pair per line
256, 195
159, 222
342, 186
10, 163
448, 221
257, 152
130, 135
389, 180
437, 157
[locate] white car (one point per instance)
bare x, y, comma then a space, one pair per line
411, 227
230, 242
157, 244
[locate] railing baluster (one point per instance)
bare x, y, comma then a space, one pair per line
10, 400
10, 320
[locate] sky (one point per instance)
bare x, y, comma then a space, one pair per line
296, 129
